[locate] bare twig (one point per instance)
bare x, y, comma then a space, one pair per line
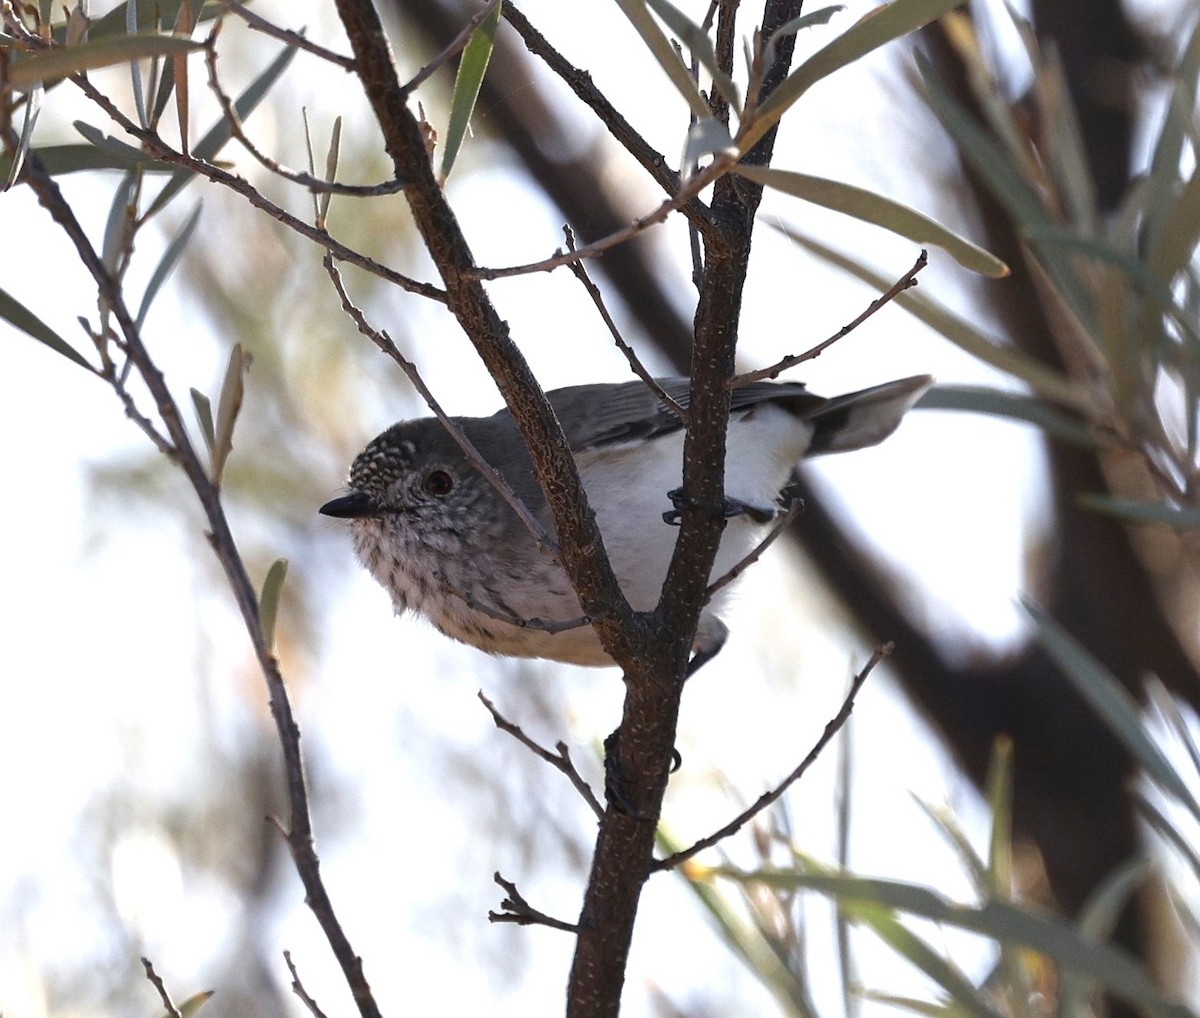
297, 39
720, 165
521, 913
561, 760
455, 47
238, 131
385, 343
905, 282
163, 995
541, 625
158, 148
299, 990
621, 131
767, 798
299, 835
639, 369
792, 504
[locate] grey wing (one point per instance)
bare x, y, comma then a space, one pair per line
598, 415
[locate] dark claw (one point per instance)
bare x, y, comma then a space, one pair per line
727, 510
614, 781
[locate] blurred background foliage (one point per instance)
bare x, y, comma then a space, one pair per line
1074, 155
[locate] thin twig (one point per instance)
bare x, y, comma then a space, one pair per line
162, 151
297, 39
720, 165
767, 798
299, 835
905, 282
238, 131
521, 913
791, 508
163, 995
639, 369
542, 625
618, 128
455, 47
299, 990
560, 761
385, 343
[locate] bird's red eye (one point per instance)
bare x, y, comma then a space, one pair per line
439, 483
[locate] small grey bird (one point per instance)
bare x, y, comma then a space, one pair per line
444, 543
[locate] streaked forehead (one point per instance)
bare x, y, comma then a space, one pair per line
384, 459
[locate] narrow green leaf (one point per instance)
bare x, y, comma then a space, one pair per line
167, 264
1112, 701
873, 208
58, 63
662, 51
952, 831
33, 106
998, 789
962, 333
1097, 920
60, 159
19, 316
193, 1004
1132, 511
331, 168
699, 45
215, 139
821, 16
229, 405
978, 399
882, 25
268, 601
120, 221
135, 69
883, 923
203, 407
1111, 966
467, 82
110, 144
149, 12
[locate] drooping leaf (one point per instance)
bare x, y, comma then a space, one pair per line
19, 316
60, 159
119, 223
813, 19
472, 66
167, 263
699, 45
874, 208
661, 49
30, 69
1112, 702
978, 399
33, 106
203, 407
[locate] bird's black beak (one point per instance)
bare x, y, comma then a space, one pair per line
354, 506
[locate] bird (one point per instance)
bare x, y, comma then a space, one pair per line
440, 538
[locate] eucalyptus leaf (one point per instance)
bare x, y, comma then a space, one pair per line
203, 407
331, 168
120, 222
19, 316
874, 208
48, 65
1132, 511
149, 12
882, 25
1111, 966
662, 51
167, 264
476, 56
229, 405
699, 45
33, 106
57, 160
1112, 702
978, 399
268, 601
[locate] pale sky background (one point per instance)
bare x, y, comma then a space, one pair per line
127, 676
